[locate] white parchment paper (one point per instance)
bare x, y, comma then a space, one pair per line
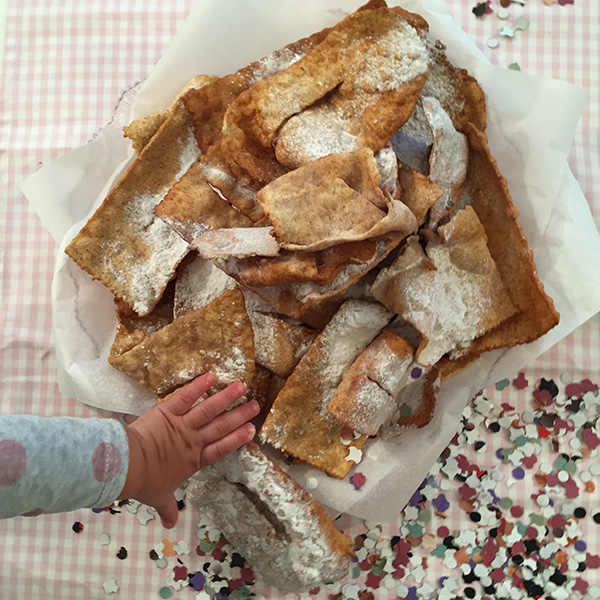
531, 126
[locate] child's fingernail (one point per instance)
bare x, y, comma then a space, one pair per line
241, 388
251, 431
210, 379
255, 406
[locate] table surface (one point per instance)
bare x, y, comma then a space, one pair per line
510, 510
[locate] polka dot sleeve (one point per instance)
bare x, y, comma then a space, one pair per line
59, 464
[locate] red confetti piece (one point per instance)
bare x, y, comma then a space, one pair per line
573, 390
466, 492
529, 461
373, 581
358, 480
593, 561
247, 575
516, 511
181, 573
543, 432
520, 382
218, 554
590, 439
588, 386
235, 584
581, 585
443, 531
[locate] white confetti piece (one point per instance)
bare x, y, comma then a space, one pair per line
354, 454
312, 483
161, 563
144, 515
182, 547
110, 586
104, 539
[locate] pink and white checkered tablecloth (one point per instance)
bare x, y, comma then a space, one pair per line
65, 65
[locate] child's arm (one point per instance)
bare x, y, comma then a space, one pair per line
60, 464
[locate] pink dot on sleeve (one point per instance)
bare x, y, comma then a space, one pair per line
107, 461
13, 460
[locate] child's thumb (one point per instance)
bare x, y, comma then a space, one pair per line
168, 513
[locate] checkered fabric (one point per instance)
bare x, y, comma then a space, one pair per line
65, 65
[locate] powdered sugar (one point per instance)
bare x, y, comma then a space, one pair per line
163, 247
392, 60
198, 285
348, 333
279, 531
274, 63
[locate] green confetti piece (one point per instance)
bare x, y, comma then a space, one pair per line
210, 591
537, 519
503, 382
165, 592
207, 546
236, 595
424, 515
440, 551
355, 572
506, 452
571, 468
505, 503
560, 463
405, 410
521, 528
415, 530
514, 67
521, 441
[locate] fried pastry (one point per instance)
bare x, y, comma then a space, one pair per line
124, 245
284, 533
490, 199
451, 293
321, 204
298, 422
447, 161
279, 345
217, 338
366, 397
192, 207
143, 129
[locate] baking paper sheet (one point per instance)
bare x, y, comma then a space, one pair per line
531, 125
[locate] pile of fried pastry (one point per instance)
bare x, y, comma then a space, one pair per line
328, 226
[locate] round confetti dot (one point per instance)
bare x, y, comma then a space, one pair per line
518, 473
580, 512
162, 563
77, 527
13, 459
443, 532
516, 511
580, 546
312, 483
503, 13
416, 373
165, 592
107, 461
122, 553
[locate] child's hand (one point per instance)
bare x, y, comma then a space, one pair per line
172, 441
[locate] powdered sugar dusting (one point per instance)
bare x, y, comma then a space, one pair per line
163, 248
293, 554
348, 333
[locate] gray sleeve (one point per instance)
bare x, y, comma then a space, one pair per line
59, 464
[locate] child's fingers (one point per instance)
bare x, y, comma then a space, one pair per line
181, 401
212, 407
219, 449
227, 422
168, 513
